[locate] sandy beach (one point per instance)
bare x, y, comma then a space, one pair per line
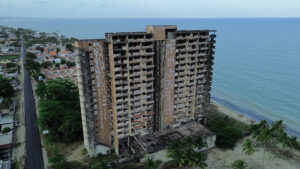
219, 158
233, 114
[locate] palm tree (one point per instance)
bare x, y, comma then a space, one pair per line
264, 137
187, 152
248, 147
199, 143
257, 128
278, 128
175, 152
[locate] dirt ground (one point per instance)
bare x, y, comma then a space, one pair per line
19, 152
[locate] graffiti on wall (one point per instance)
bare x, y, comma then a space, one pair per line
168, 106
102, 116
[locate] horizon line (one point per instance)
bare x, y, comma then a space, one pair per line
8, 17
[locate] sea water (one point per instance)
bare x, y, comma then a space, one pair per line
256, 67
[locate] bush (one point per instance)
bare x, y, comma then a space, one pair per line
239, 164
227, 137
227, 134
6, 130
150, 164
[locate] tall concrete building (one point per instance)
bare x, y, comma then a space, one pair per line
134, 83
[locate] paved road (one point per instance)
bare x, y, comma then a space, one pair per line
34, 157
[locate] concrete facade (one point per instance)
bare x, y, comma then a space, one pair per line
136, 83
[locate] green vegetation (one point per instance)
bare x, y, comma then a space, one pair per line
273, 134
6, 103
6, 89
228, 130
11, 65
30, 55
63, 61
239, 164
57, 65
102, 161
46, 64
59, 110
32, 67
248, 147
6, 130
30, 40
69, 47
187, 152
40, 49
15, 44
102, 164
150, 164
58, 161
70, 64
9, 57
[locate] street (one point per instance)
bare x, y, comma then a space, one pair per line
34, 158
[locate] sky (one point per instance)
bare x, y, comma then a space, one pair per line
149, 8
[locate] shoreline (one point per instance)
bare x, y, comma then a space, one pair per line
233, 114
244, 115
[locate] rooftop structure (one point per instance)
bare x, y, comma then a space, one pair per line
138, 83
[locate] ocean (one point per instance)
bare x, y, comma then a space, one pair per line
257, 61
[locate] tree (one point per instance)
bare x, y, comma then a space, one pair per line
63, 61
57, 50
175, 152
69, 47
40, 49
57, 65
263, 134
239, 164
59, 110
15, 44
32, 66
6, 89
150, 164
187, 152
70, 64
46, 64
30, 55
6, 103
11, 64
248, 147
277, 128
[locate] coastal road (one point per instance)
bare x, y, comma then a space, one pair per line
34, 157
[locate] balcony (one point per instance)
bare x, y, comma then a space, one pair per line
135, 61
134, 47
121, 94
135, 67
136, 74
147, 47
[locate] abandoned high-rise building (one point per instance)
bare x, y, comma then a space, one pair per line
134, 83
